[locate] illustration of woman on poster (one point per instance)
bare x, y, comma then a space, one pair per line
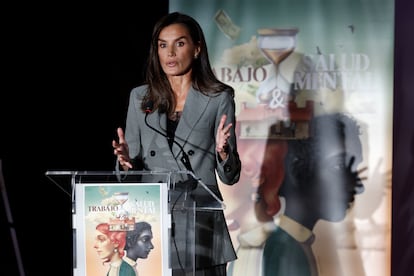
110, 247
138, 243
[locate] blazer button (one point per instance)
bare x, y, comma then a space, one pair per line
190, 152
152, 153
227, 168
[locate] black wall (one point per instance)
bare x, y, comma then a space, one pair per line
67, 72
68, 69
402, 256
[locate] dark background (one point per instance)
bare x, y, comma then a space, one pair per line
67, 70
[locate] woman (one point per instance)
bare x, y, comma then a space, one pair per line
320, 183
110, 248
183, 110
138, 243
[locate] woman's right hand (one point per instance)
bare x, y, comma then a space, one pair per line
121, 150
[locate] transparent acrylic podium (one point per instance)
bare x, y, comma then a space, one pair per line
120, 201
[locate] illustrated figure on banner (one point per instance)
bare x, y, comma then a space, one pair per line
110, 246
254, 206
321, 180
138, 243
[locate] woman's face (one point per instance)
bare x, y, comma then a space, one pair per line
262, 166
337, 182
104, 247
143, 246
176, 50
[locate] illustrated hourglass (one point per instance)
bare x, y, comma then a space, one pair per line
121, 198
276, 44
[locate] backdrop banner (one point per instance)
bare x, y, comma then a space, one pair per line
313, 87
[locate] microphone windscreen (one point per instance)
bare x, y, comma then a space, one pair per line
149, 105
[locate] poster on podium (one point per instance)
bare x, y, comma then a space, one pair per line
121, 227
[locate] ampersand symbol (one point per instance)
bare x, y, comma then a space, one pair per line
277, 98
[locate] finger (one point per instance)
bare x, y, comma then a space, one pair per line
121, 135
227, 129
118, 151
222, 121
127, 164
124, 162
115, 144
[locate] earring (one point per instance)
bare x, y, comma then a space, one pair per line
116, 250
255, 197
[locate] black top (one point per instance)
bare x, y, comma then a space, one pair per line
172, 123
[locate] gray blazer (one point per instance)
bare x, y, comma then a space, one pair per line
196, 133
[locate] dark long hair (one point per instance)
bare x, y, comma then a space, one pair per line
203, 78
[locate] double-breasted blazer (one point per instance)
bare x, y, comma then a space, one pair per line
196, 135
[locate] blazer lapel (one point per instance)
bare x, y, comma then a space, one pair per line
159, 123
195, 105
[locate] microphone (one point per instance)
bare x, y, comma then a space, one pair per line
184, 159
149, 105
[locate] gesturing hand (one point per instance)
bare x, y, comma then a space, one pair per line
121, 150
222, 136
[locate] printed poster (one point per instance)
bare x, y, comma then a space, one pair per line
109, 214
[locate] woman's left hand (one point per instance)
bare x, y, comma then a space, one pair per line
222, 136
